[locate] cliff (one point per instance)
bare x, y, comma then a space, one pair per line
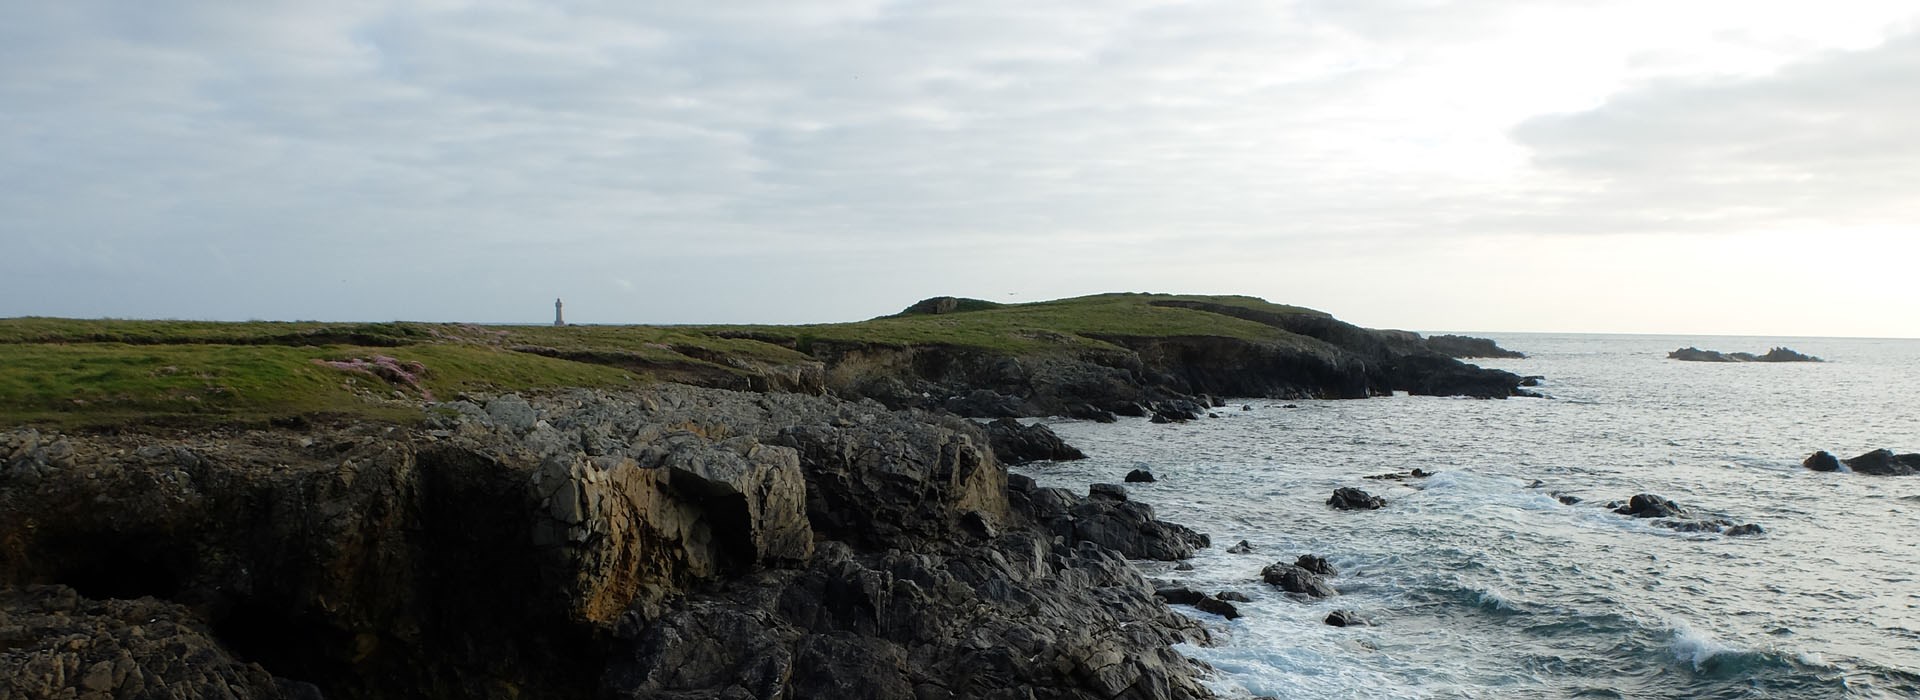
674, 542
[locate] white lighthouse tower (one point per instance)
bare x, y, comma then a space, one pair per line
558, 319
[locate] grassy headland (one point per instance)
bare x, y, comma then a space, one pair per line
89, 372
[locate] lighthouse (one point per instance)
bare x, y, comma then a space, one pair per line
558, 319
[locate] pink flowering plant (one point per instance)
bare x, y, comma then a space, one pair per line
394, 371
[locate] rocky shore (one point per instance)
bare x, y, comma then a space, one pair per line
669, 543
1692, 354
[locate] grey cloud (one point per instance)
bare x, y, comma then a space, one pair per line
1827, 140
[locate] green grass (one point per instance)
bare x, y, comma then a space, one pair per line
65, 371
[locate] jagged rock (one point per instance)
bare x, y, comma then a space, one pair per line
981, 403
1462, 347
670, 543
1822, 461
1315, 564
1293, 579
1086, 411
1243, 547
1017, 443
1345, 618
1107, 492
1744, 530
1179, 595
1218, 607
1176, 411
1233, 596
1349, 498
1884, 463
1140, 476
1646, 505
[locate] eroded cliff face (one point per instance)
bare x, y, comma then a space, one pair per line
673, 543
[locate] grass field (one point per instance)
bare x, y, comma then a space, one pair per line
83, 372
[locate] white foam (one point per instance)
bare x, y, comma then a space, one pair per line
1697, 646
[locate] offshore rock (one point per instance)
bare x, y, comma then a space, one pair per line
1316, 564
1293, 579
1349, 498
1647, 505
1463, 347
1016, 443
1692, 354
1884, 462
1140, 476
1345, 618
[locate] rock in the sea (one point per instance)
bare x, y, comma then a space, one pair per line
1179, 595
1315, 563
1884, 462
1087, 411
1692, 354
1416, 473
1349, 498
1233, 596
1345, 618
1243, 547
1293, 579
1017, 443
1744, 530
1218, 607
1822, 461
1566, 499
1140, 476
1647, 505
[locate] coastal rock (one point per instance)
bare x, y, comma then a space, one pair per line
1140, 476
1349, 498
1345, 618
1822, 461
1416, 473
1233, 597
670, 543
1646, 505
1884, 462
1463, 347
1017, 443
978, 403
1218, 607
1315, 564
1692, 354
1293, 579
1243, 547
1086, 411
1746, 530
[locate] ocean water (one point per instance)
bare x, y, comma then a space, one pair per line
1482, 585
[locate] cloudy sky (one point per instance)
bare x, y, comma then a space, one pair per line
1702, 166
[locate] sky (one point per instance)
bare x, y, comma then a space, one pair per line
1702, 167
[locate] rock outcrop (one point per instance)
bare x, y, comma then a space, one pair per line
1671, 515
673, 543
1349, 498
1881, 462
1017, 443
1465, 347
1692, 354
1294, 579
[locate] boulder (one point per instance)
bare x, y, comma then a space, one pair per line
1748, 529
1349, 498
1087, 411
1315, 564
1884, 462
1218, 607
1179, 595
1345, 618
1293, 579
1017, 443
1646, 505
1243, 547
1140, 476
1233, 596
1822, 461
1416, 473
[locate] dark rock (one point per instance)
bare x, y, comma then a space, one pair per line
1017, 443
978, 403
946, 305
1293, 579
1246, 407
1085, 411
1744, 530
1417, 473
1127, 527
1179, 595
1692, 354
1218, 607
1884, 463
1463, 347
1243, 547
1176, 411
1233, 596
1140, 476
61, 644
1161, 418
1131, 410
1315, 564
1349, 498
1107, 492
1647, 505
1565, 499
1822, 461
1345, 618
1183, 566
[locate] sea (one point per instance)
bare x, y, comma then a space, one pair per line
1479, 582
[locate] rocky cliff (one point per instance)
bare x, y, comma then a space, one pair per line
668, 543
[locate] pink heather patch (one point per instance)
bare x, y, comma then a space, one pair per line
394, 371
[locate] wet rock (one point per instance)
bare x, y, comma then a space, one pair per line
1315, 564
1822, 461
1017, 443
1746, 530
1233, 597
1107, 492
1349, 498
1565, 499
1884, 462
1179, 595
1086, 411
1242, 547
1345, 618
1218, 607
1293, 579
983, 403
1416, 473
1646, 505
1140, 476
